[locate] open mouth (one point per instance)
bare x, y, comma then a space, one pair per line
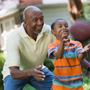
65, 31
39, 28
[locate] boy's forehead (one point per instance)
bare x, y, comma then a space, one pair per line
61, 21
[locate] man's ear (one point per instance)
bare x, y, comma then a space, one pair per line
25, 21
53, 32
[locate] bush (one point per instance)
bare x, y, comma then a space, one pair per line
48, 63
2, 60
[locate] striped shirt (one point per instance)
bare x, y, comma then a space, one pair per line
68, 69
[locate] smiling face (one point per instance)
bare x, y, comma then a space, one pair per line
60, 26
33, 21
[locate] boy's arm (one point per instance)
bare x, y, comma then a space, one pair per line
82, 54
59, 52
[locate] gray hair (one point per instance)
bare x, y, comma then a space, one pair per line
28, 8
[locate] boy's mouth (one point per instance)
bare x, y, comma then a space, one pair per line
65, 31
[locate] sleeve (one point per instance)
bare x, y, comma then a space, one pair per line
12, 50
51, 49
78, 47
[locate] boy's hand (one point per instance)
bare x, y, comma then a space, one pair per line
62, 37
85, 49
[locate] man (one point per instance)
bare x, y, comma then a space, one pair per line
26, 50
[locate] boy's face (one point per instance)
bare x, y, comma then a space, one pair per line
60, 28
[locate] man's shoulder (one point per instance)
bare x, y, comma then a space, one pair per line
13, 34
46, 28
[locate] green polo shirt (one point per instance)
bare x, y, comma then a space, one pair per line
25, 52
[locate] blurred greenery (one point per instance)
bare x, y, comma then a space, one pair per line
2, 60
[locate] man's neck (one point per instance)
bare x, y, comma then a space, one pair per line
32, 35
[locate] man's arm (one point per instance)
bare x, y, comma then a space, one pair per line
16, 73
85, 64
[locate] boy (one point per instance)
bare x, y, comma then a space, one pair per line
67, 54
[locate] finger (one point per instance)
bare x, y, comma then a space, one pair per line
38, 67
40, 78
88, 45
40, 72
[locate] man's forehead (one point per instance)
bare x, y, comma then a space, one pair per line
32, 8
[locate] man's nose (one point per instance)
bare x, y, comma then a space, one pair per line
39, 22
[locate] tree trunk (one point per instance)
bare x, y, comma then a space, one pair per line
75, 8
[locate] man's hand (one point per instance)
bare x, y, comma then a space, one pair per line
37, 74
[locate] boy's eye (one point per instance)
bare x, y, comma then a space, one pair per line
66, 26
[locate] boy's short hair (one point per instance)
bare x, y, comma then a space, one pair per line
52, 25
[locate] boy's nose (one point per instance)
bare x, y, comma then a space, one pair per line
63, 27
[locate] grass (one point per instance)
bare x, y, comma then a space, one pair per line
28, 87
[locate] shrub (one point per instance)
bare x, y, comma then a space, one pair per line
2, 60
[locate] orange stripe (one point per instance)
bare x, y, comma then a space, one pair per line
59, 87
67, 71
69, 47
66, 62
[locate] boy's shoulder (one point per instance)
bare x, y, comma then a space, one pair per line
52, 44
74, 41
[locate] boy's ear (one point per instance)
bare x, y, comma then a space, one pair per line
53, 32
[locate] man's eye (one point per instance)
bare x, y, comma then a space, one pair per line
35, 20
60, 26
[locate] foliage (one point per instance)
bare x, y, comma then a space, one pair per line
28, 87
48, 63
86, 83
2, 60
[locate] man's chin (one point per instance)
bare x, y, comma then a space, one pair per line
37, 32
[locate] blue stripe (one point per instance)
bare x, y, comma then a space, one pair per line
67, 77
76, 43
69, 45
76, 83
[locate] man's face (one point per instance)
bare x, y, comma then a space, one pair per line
34, 21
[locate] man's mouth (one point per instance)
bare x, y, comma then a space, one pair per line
39, 28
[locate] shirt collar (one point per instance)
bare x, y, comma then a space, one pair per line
71, 42
24, 34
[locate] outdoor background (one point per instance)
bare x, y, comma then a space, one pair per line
11, 16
